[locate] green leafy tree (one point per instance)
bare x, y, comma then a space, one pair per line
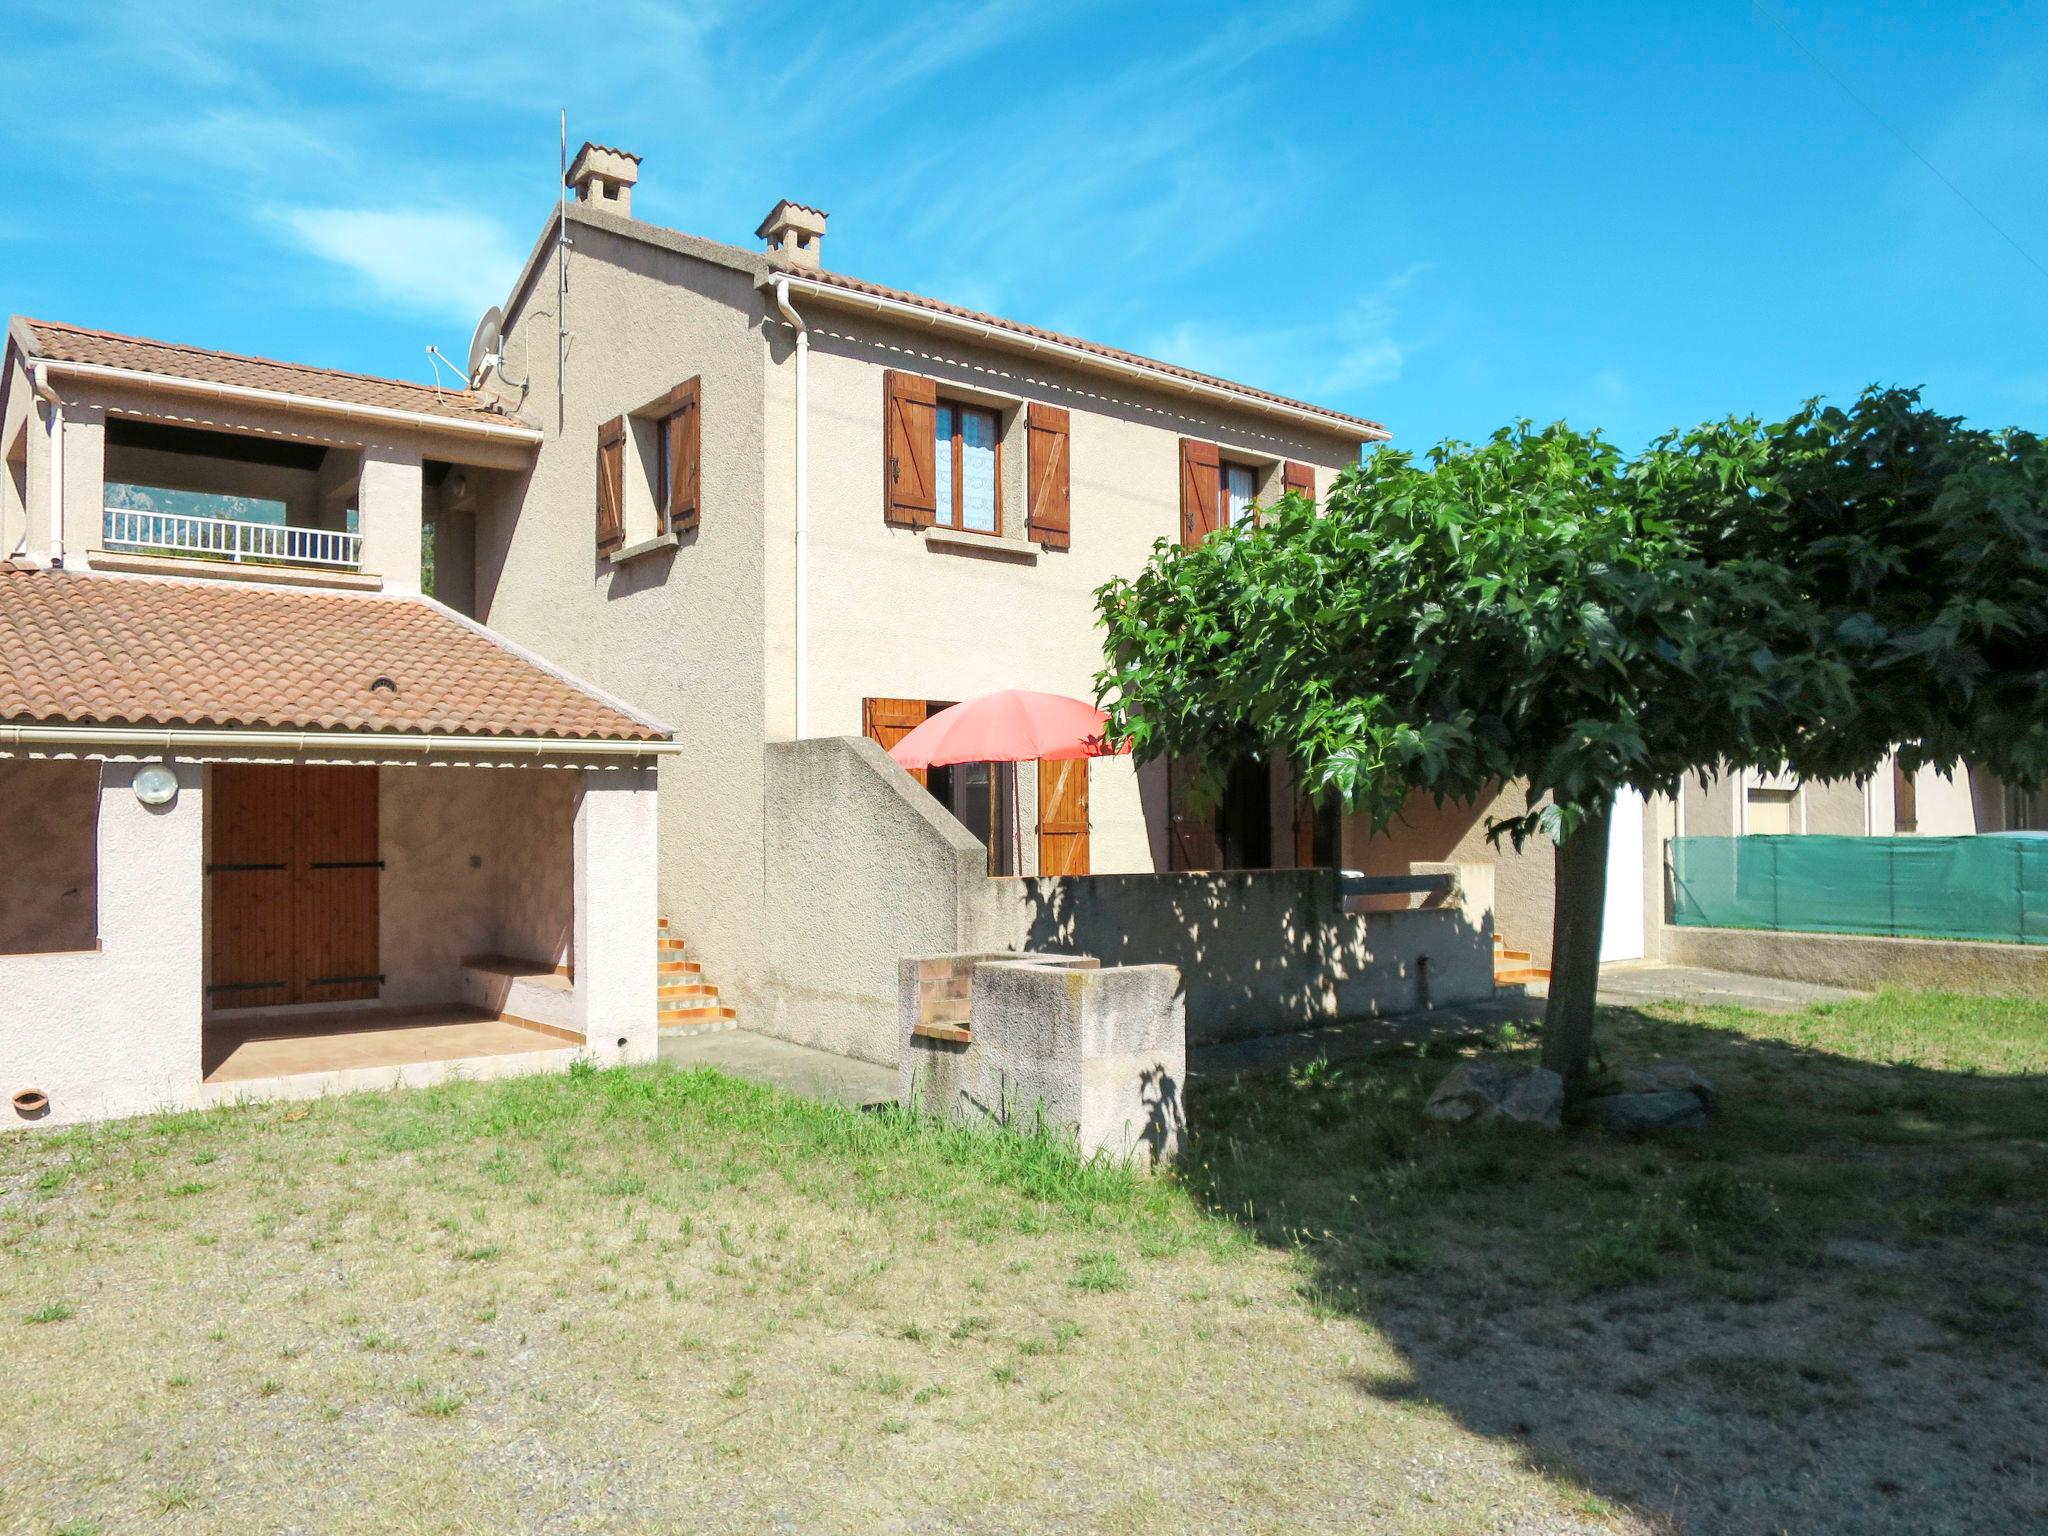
1537, 608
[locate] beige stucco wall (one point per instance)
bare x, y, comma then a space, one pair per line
675, 632
21, 440
115, 1030
864, 869
617, 902
48, 871
476, 861
1953, 805
1452, 832
896, 613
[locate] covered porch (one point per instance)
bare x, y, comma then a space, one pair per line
234, 1050
375, 847
363, 915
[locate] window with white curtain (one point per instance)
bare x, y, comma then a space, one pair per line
1240, 489
964, 468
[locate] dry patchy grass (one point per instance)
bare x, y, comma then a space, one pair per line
652, 1300
649, 1300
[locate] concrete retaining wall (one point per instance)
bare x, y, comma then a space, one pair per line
1863, 961
863, 868
1048, 1042
1259, 951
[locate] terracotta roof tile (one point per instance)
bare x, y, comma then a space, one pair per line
1017, 327
61, 343
95, 649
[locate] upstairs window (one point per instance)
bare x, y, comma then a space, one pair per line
1240, 489
966, 468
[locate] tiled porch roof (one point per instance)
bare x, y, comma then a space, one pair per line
60, 343
94, 649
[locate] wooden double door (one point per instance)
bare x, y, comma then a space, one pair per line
292, 871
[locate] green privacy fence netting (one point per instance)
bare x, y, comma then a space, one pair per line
1987, 887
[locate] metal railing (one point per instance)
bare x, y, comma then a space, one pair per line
229, 538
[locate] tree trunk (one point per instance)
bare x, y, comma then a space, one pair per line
1581, 871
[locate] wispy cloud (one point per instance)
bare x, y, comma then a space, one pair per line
1966, 194
450, 263
1328, 358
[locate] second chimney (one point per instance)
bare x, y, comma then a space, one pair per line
604, 177
794, 233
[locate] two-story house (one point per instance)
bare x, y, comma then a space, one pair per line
778, 504
273, 818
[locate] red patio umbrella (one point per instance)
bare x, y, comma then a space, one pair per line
1013, 726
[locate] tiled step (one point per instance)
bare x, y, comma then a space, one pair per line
699, 1018
1511, 956
684, 1001
1508, 976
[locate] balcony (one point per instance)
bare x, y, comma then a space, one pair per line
136, 531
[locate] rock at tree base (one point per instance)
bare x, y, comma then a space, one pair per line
1660, 1096
1666, 1110
1672, 1077
1483, 1092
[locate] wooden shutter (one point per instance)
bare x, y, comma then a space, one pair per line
910, 422
888, 721
1190, 834
251, 918
1298, 476
336, 875
1201, 510
1063, 817
611, 485
1051, 488
685, 428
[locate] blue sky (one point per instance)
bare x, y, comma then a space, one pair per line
1440, 215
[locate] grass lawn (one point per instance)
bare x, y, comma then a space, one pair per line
646, 1299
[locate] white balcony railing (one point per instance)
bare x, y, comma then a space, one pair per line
228, 538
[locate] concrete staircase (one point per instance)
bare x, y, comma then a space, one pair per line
685, 1003
1515, 967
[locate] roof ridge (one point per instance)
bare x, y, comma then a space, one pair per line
868, 285
745, 258
248, 357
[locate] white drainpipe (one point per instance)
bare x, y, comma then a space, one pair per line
803, 498
39, 380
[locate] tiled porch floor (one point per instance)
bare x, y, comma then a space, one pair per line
235, 1050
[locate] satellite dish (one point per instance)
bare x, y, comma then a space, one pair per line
483, 346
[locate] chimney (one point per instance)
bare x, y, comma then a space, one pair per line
604, 178
794, 233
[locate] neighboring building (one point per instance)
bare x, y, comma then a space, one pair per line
1891, 803
274, 818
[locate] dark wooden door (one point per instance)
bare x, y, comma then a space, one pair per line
292, 873
1190, 828
1063, 817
